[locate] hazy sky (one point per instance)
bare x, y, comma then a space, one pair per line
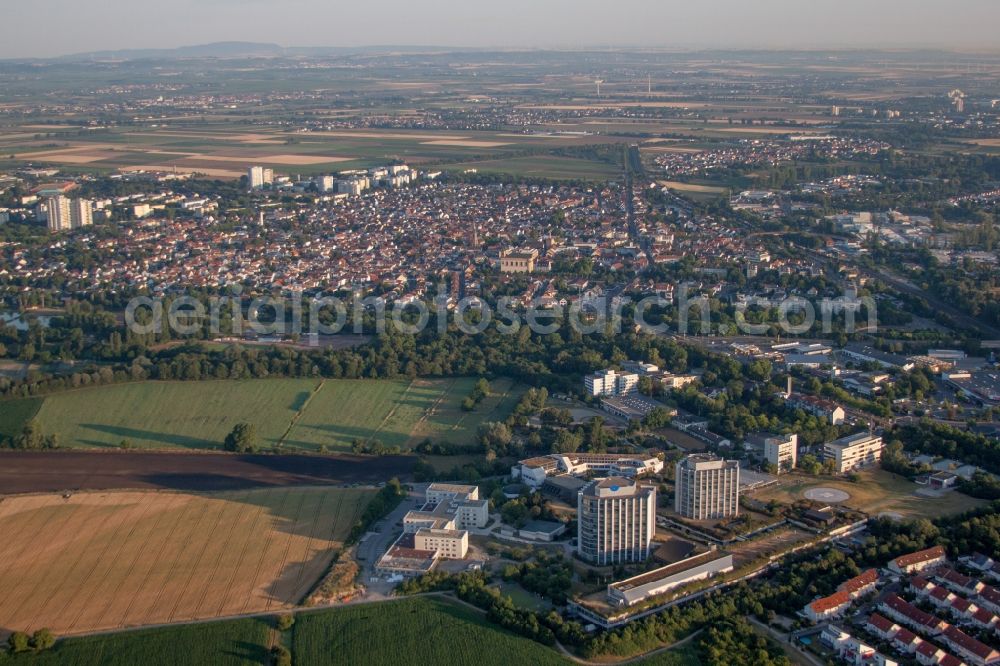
58, 27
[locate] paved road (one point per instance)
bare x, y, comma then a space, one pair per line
378, 540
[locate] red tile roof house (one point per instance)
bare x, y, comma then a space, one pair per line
959, 583
951, 660
882, 626
906, 641
929, 654
827, 607
976, 653
860, 585
989, 598
906, 613
985, 619
919, 561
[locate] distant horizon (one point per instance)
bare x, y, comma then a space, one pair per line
611, 48
64, 28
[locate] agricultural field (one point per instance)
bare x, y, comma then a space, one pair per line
298, 414
14, 414
876, 492
231, 643
193, 415
423, 631
544, 166
226, 150
109, 560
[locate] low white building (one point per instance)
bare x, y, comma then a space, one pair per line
450, 544
660, 581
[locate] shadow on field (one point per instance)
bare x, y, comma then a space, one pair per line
293, 583
248, 652
58, 471
148, 435
300, 401
343, 434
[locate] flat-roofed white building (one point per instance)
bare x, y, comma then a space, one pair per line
853, 452
616, 521
637, 589
449, 544
534, 471
449, 506
782, 451
610, 383
445, 492
707, 487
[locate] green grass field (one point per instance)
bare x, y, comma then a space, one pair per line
301, 414
233, 643
413, 631
876, 492
14, 414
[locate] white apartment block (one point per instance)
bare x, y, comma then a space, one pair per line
616, 521
81, 213
64, 213
258, 177
58, 211
610, 383
325, 183
782, 451
450, 544
353, 187
707, 487
853, 452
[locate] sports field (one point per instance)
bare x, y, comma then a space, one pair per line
875, 492
297, 413
94, 561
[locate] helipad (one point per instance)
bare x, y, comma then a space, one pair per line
828, 495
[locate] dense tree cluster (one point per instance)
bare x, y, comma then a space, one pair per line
938, 439
735, 642
548, 575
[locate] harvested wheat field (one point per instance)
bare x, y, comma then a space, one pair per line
94, 561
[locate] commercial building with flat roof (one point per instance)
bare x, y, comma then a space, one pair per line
853, 452
616, 521
637, 589
534, 471
707, 487
450, 544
